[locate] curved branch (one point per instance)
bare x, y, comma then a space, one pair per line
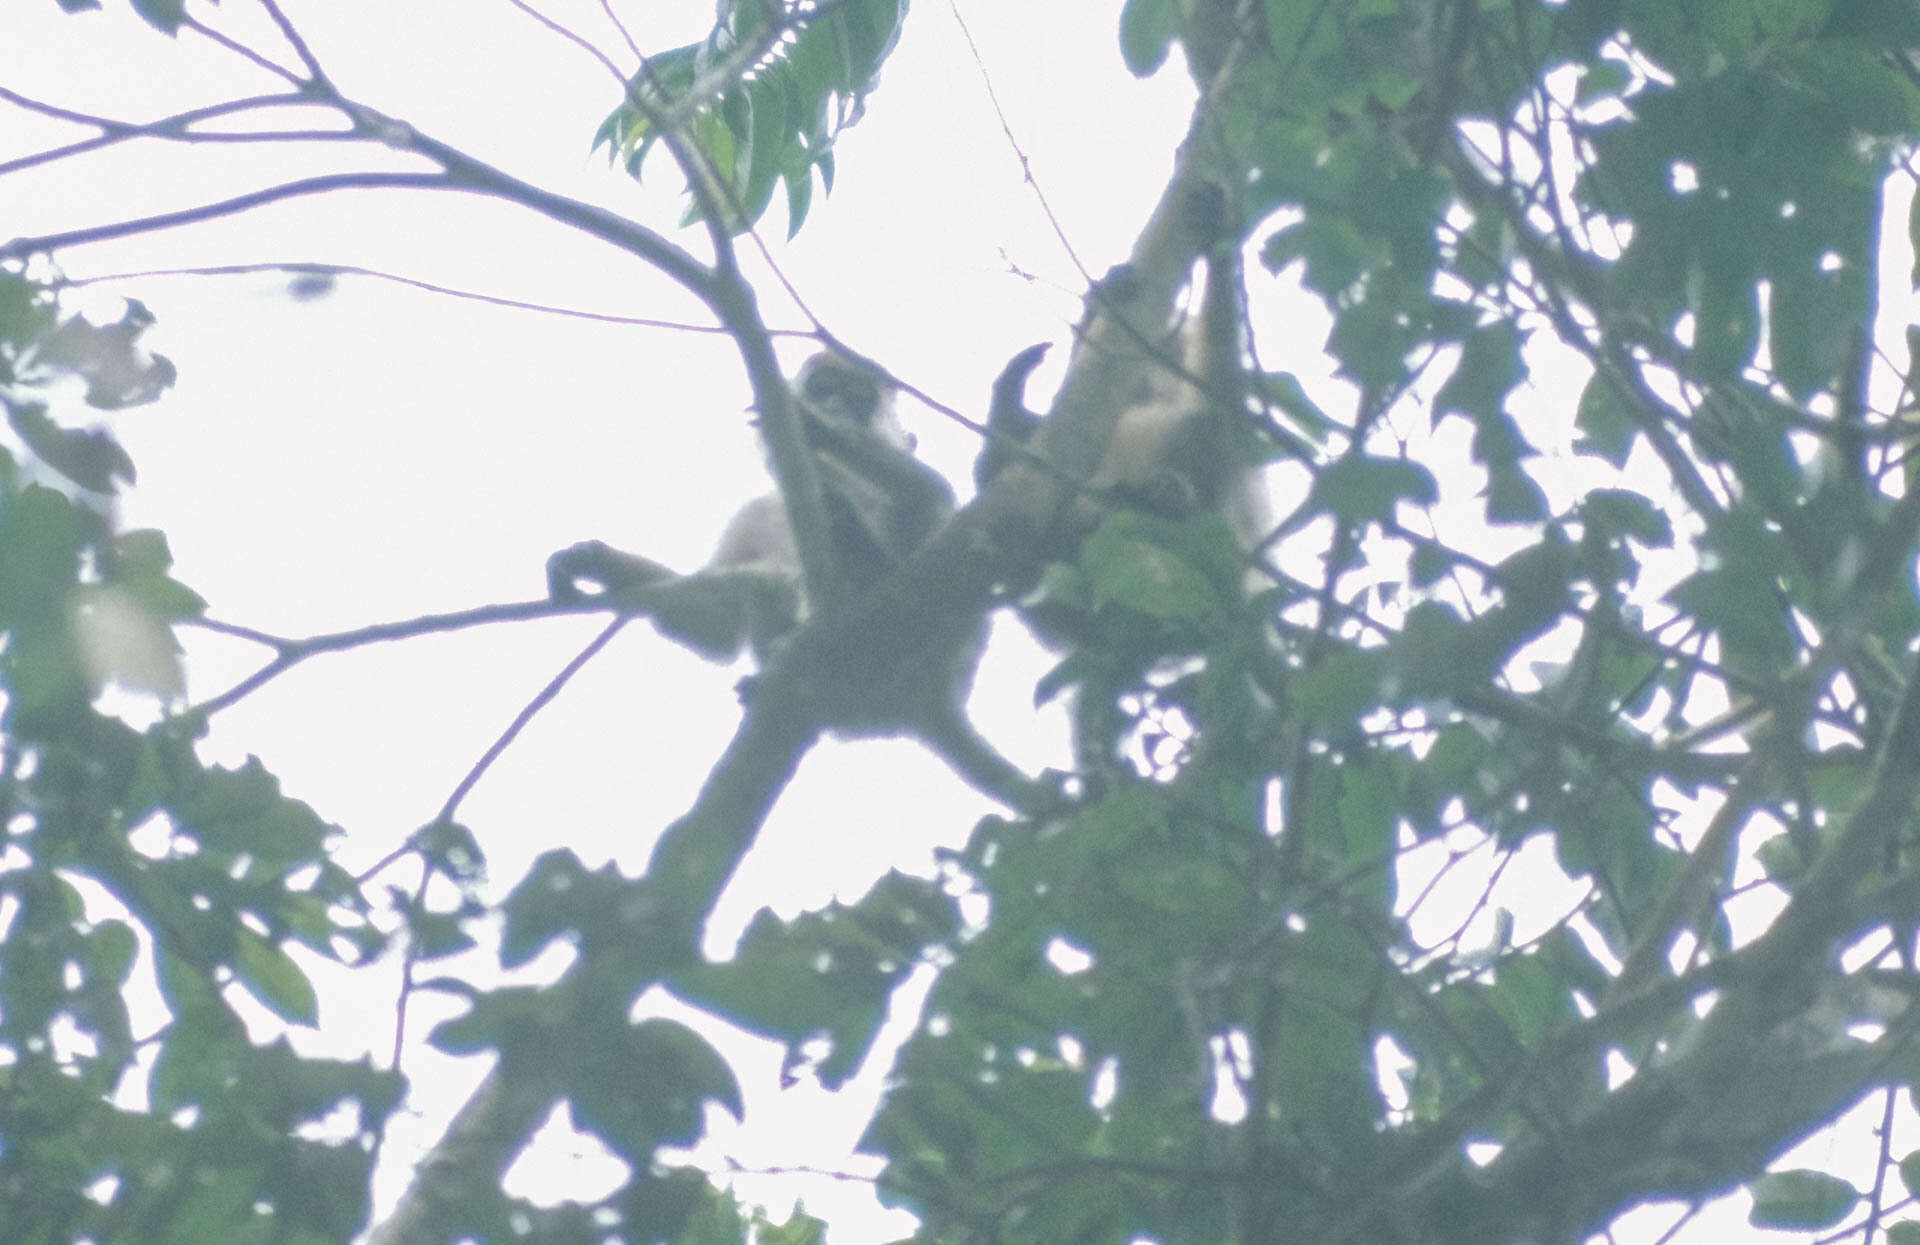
20, 248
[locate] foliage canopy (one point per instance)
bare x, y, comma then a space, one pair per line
1656, 631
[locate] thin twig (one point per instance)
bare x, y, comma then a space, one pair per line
304, 268
606, 7
1019, 152
175, 128
65, 114
290, 653
578, 40
241, 50
294, 40
540, 700
409, 956
22, 247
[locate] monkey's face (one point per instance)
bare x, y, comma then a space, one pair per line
840, 392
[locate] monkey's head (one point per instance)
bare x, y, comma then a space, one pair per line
840, 391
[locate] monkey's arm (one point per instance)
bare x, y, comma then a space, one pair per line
896, 472
1010, 425
883, 501
733, 601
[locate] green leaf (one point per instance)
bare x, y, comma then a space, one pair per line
496, 1018
162, 15
1489, 368
1727, 322
272, 976
1782, 860
1126, 567
244, 810
821, 982
112, 947
1814, 318
90, 457
1340, 688
1529, 996
1738, 595
1513, 497
1428, 564
799, 1229
1803, 1199
1368, 819
779, 120
1620, 513
647, 1085
119, 373
1359, 489
544, 906
1147, 31
1605, 427
1305, 415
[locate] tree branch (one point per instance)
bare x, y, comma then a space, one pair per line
298, 44
291, 653
307, 268
177, 127
20, 248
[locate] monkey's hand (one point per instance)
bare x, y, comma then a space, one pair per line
1010, 425
712, 612
594, 568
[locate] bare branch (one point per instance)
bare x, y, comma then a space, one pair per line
176, 128
241, 50
306, 268
1019, 152
590, 219
290, 653
541, 700
62, 114
626, 35
578, 40
294, 40
19, 248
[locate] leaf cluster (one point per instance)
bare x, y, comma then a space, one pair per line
1643, 639
130, 864
761, 99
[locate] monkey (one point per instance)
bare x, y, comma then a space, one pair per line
883, 503
1178, 451
1175, 451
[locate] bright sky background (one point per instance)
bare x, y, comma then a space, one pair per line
386, 452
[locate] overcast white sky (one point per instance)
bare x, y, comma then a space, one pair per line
385, 452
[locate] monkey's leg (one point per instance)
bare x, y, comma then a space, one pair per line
981, 766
